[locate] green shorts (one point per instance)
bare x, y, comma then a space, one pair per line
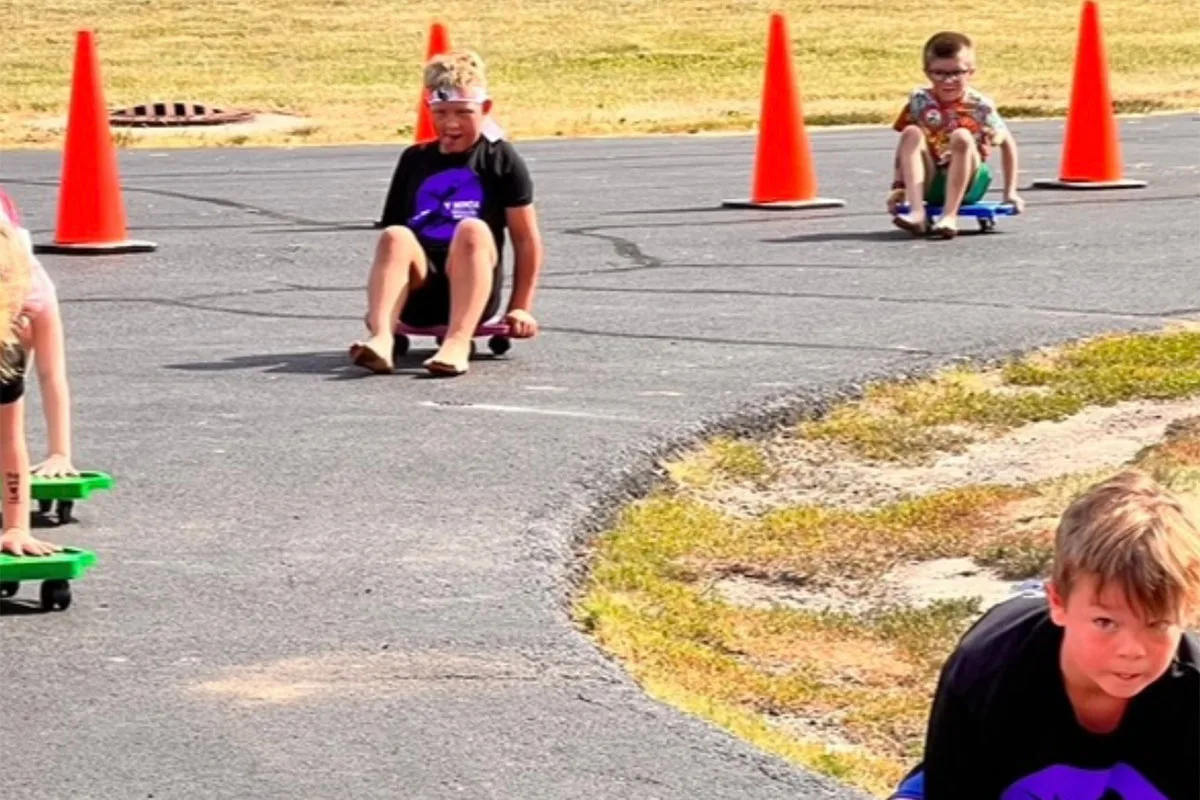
935, 195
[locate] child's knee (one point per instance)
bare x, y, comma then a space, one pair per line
912, 136
961, 141
396, 237
473, 234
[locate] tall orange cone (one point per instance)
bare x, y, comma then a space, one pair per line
439, 43
91, 212
1091, 154
783, 170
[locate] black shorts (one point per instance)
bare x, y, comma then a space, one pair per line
429, 305
12, 388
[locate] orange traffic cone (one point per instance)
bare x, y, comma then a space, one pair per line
439, 43
1091, 154
91, 212
783, 169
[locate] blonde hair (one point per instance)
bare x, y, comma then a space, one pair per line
462, 69
14, 286
1132, 531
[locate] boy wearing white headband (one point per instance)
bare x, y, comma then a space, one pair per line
440, 258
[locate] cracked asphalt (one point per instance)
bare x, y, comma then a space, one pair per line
313, 584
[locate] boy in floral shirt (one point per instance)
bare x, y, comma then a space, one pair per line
947, 131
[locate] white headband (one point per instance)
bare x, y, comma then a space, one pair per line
476, 94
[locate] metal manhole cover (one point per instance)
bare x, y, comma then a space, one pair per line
168, 115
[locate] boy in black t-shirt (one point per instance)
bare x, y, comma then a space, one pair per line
440, 258
1090, 691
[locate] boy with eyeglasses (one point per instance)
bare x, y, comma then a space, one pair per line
947, 131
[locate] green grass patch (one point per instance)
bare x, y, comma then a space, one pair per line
722, 460
647, 603
754, 670
908, 422
843, 692
1018, 555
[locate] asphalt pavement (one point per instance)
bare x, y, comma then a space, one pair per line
318, 585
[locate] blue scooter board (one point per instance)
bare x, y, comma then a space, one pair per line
985, 211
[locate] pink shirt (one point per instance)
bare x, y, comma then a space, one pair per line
41, 288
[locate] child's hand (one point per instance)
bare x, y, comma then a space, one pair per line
1016, 201
522, 323
20, 542
56, 466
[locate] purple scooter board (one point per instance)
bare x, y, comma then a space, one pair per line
499, 343
986, 212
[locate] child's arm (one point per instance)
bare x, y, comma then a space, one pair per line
527, 265
896, 195
1008, 151
49, 350
902, 121
14, 464
14, 472
997, 132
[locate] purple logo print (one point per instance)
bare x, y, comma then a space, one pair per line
443, 200
1122, 782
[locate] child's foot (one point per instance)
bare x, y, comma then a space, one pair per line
944, 228
374, 354
913, 222
452, 358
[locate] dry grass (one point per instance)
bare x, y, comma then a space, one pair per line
868, 678
722, 459
810, 543
848, 694
570, 68
908, 422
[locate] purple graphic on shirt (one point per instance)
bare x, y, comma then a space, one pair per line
1122, 782
444, 199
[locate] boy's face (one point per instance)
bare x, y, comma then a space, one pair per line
459, 123
1109, 645
951, 76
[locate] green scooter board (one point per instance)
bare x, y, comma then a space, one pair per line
65, 491
54, 571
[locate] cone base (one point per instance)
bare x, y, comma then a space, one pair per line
1058, 183
786, 205
96, 249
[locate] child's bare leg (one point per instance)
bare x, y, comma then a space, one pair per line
399, 263
469, 267
916, 166
964, 161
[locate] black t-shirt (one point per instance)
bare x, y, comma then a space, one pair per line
12, 388
1003, 728
431, 191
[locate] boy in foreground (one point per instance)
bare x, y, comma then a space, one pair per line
1092, 690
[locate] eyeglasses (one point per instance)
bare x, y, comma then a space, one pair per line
950, 75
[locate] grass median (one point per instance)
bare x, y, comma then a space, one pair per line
802, 590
